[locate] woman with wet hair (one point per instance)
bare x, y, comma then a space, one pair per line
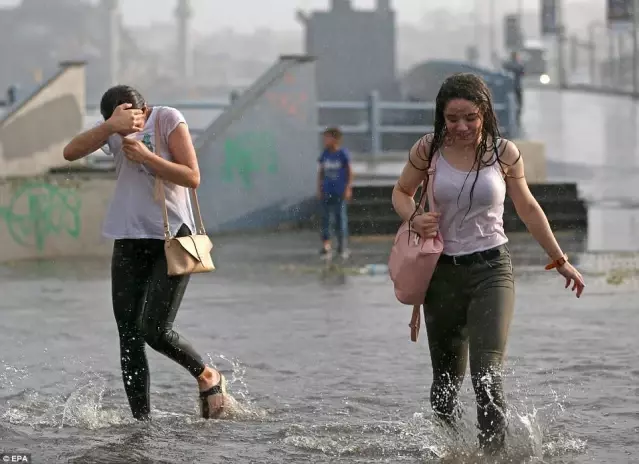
469, 304
145, 298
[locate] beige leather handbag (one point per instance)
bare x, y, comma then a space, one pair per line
190, 254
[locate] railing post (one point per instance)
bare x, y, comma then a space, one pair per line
12, 95
592, 56
374, 121
513, 123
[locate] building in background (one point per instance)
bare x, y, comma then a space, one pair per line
355, 50
38, 34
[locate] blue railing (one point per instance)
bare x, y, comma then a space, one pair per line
371, 122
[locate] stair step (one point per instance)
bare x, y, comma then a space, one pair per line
542, 192
371, 212
388, 224
378, 207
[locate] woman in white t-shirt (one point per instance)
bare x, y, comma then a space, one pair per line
145, 298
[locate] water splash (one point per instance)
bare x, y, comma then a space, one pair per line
239, 404
530, 438
82, 408
10, 375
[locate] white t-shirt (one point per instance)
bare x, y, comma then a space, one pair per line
134, 212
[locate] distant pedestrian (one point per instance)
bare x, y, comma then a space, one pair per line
334, 191
470, 300
517, 70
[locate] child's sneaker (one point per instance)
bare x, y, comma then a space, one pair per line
345, 254
326, 253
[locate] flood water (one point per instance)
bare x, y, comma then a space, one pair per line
320, 363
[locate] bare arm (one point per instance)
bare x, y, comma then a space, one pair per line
123, 120
87, 142
412, 176
527, 207
184, 170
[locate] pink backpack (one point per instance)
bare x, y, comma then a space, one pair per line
413, 259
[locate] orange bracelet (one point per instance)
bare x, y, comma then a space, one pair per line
557, 263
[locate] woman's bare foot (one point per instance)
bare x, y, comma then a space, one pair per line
212, 385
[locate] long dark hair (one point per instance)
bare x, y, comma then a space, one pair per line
470, 87
118, 95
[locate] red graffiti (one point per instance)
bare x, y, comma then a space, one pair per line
288, 103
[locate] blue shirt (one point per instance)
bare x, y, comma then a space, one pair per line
335, 167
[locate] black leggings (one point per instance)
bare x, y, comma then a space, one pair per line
469, 307
145, 303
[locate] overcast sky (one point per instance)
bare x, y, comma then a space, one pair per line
250, 14
278, 14
247, 15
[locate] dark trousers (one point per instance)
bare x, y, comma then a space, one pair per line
519, 97
334, 212
468, 309
145, 303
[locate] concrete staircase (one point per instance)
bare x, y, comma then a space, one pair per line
371, 211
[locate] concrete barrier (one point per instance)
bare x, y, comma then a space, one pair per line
36, 130
54, 216
258, 159
534, 155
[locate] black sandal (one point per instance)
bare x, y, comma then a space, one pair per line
205, 406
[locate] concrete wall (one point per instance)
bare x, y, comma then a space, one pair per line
355, 51
613, 228
54, 216
258, 159
33, 135
534, 155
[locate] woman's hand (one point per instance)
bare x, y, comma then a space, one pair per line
573, 276
126, 121
426, 224
135, 150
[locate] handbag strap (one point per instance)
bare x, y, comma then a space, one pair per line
428, 183
159, 187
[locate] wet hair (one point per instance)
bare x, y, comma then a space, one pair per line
470, 87
118, 95
334, 132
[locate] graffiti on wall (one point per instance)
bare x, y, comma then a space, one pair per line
248, 155
38, 210
290, 104
288, 100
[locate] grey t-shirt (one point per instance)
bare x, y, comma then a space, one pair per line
134, 212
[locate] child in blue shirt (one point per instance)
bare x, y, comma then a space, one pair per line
334, 190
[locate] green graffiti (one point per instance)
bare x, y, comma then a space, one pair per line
38, 210
247, 155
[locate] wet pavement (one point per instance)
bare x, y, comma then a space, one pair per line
319, 361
